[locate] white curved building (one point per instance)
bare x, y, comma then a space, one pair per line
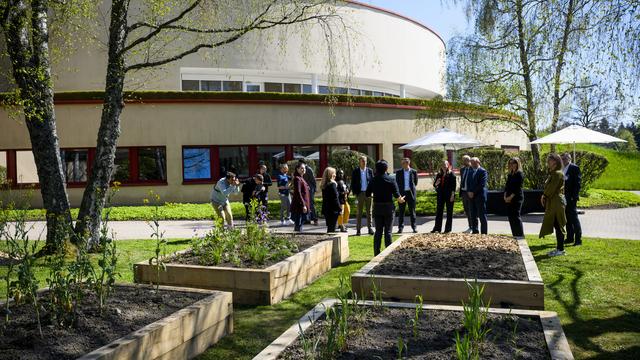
384, 54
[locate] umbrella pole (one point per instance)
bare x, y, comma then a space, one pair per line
574, 152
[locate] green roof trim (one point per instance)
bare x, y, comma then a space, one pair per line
431, 107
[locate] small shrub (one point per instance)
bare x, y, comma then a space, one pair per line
429, 160
158, 260
348, 160
494, 161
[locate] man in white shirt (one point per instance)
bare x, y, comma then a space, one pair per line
407, 180
360, 179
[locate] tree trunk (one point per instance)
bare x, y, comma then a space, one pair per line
526, 71
557, 76
28, 49
93, 199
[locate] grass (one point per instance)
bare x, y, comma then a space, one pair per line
623, 172
129, 252
594, 289
425, 206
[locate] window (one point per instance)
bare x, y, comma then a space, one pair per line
307, 89
234, 158
311, 153
367, 92
152, 164
121, 166
208, 85
378, 93
272, 87
26, 168
292, 88
190, 85
253, 88
196, 163
232, 86
510, 148
354, 91
3, 168
323, 89
272, 156
369, 150
74, 165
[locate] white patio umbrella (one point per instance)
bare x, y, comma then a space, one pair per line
576, 134
443, 138
282, 154
313, 156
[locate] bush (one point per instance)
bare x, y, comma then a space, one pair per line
630, 145
533, 178
3, 175
347, 160
428, 160
592, 166
494, 161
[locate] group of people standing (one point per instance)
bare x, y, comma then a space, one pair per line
375, 191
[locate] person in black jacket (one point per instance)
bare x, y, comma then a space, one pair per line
478, 193
572, 185
445, 185
343, 193
262, 170
252, 188
383, 188
465, 178
514, 196
407, 180
310, 178
360, 179
331, 208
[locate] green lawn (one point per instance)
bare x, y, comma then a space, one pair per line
426, 206
623, 171
594, 289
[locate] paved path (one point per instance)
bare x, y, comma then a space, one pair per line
610, 223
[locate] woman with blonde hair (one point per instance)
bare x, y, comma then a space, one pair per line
554, 203
330, 199
514, 196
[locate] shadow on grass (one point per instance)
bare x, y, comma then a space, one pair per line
179, 242
581, 331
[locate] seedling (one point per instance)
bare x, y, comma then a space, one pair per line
402, 348
158, 259
475, 317
416, 316
376, 293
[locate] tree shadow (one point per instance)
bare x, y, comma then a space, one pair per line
582, 332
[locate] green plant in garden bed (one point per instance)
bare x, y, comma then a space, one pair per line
255, 245
475, 317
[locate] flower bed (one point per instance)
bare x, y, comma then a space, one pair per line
136, 323
386, 330
251, 282
436, 267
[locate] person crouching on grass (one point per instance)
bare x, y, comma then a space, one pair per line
220, 196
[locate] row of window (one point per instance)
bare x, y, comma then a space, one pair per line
148, 165
131, 165
224, 85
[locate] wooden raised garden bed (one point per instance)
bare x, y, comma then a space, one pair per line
202, 318
253, 286
439, 273
537, 334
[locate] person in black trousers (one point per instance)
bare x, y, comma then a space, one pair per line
262, 170
310, 178
477, 192
572, 185
360, 179
331, 208
465, 171
407, 180
445, 185
514, 196
383, 188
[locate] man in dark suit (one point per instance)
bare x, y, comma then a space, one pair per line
360, 179
465, 171
477, 193
383, 188
407, 180
310, 178
572, 185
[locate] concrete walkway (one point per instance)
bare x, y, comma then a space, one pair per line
609, 223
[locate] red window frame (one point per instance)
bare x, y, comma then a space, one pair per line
134, 173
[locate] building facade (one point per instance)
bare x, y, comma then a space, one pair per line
181, 142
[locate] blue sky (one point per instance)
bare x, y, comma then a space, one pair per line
447, 20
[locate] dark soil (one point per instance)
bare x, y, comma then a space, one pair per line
376, 336
456, 256
127, 310
302, 241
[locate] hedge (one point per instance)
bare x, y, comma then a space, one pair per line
439, 105
591, 165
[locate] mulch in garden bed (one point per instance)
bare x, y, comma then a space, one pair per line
127, 310
303, 241
376, 336
468, 256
